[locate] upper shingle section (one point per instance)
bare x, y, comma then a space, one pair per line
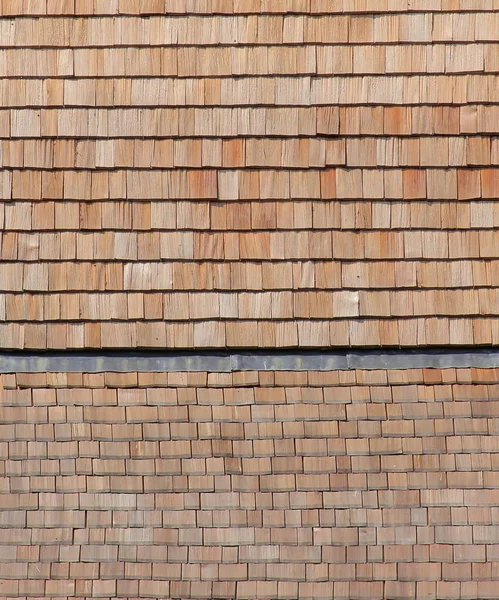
243, 174
231, 7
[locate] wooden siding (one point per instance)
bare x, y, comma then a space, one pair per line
290, 485
248, 173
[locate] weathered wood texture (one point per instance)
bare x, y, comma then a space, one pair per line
290, 485
248, 173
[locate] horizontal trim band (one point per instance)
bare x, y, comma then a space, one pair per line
157, 362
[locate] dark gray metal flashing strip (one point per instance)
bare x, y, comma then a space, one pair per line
421, 360
92, 363
154, 362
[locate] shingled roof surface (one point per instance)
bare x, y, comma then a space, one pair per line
248, 173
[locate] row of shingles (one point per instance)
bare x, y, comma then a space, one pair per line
253, 277
433, 101
201, 216
380, 121
374, 149
245, 590
254, 306
246, 91
234, 7
236, 31
436, 499
316, 245
345, 123
172, 147
243, 388
374, 332
466, 376
252, 334
267, 61
307, 216
314, 152
286, 590
273, 184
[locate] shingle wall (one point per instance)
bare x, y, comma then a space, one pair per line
289, 485
248, 173
193, 174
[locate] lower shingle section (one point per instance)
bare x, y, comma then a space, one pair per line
279, 485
